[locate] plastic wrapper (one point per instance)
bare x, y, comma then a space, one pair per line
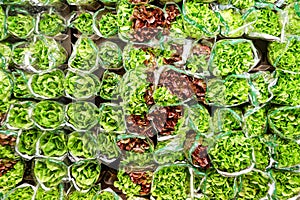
20, 24
135, 183
268, 22
24, 191
134, 26
261, 83
48, 85
26, 142
109, 88
104, 22
171, 182
82, 145
5, 55
48, 115
284, 122
287, 185
233, 56
52, 144
239, 145
174, 20
256, 184
293, 18
170, 150
41, 55
232, 91
84, 174
82, 115
82, 21
21, 89
227, 119
110, 55
282, 55
255, 122
195, 149
18, 116
285, 92
49, 173
12, 167
51, 24
84, 57
111, 118
215, 185
108, 150
6, 85
57, 192
198, 58
201, 18
80, 86
137, 152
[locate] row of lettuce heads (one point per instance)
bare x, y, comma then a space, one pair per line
226, 152
133, 23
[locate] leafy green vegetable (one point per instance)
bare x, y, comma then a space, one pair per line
13, 177
6, 86
266, 21
232, 56
254, 185
21, 89
82, 115
229, 92
262, 152
239, 146
48, 114
286, 153
171, 182
18, 115
86, 173
287, 184
285, 92
84, 23
199, 118
110, 85
5, 53
51, 24
20, 25
110, 55
217, 186
233, 23
285, 122
53, 143
225, 119
282, 55
81, 86
49, 172
292, 26
48, 85
82, 145
255, 121
111, 118
163, 97
84, 56
108, 149
53, 194
24, 193
201, 16
107, 24
27, 141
